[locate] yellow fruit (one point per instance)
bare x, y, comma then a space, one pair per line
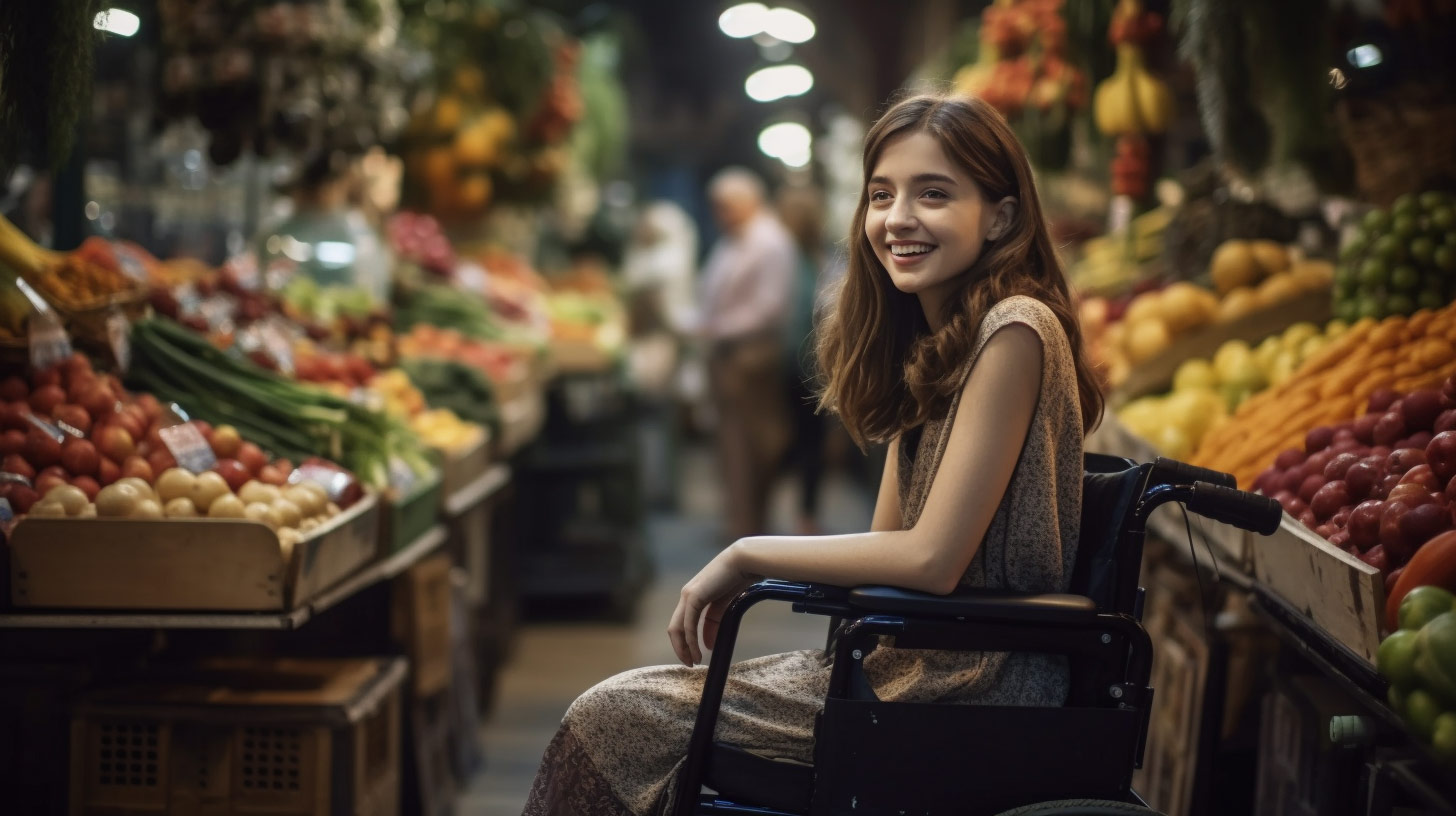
1146, 338
476, 145
1173, 441
1313, 275
1232, 356
1236, 304
1233, 265
1131, 100
448, 112
1271, 257
1143, 307
1295, 335
1335, 328
1142, 416
1194, 411
474, 192
1312, 346
1277, 289
1186, 306
1266, 352
1193, 374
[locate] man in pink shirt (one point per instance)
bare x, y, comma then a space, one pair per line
746, 296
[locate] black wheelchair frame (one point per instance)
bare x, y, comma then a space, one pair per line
974, 759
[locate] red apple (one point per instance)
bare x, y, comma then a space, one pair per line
14, 389
49, 376
233, 472
1290, 458
138, 467
1382, 451
41, 449
1376, 558
73, 415
12, 442
1291, 480
79, 457
1364, 429
1386, 484
22, 498
1446, 421
99, 401
1391, 578
1340, 539
1420, 409
44, 400
1419, 525
108, 472
17, 464
1341, 518
1416, 440
271, 474
1309, 487
252, 457
1362, 476
161, 460
1410, 493
1381, 400
1266, 483
1328, 499
1389, 428
1421, 475
1441, 455
88, 485
1339, 466
1390, 523
1364, 524
1317, 461
1307, 519
46, 482
1325, 530
115, 443
1318, 438
1403, 459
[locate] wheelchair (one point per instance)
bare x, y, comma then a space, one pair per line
872, 757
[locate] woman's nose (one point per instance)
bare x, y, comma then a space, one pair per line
900, 217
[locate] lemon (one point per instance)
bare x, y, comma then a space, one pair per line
1195, 373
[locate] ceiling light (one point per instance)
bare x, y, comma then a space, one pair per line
777, 82
789, 25
744, 20
789, 142
117, 21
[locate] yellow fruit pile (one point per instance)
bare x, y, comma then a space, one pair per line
400, 396
1205, 392
1332, 386
1252, 275
440, 428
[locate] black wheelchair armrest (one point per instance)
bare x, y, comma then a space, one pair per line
983, 605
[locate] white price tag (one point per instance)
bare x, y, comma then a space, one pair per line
131, 265
188, 447
471, 277
49, 344
367, 398
118, 336
6, 477
48, 429
1119, 214
401, 476
276, 342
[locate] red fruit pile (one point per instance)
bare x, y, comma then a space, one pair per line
419, 239
1380, 486
108, 433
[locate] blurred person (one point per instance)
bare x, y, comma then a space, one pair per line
801, 207
953, 296
747, 287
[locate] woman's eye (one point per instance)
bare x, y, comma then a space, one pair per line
935, 194
879, 195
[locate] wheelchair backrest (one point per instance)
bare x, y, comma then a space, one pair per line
1110, 490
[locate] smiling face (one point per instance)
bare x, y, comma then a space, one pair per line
926, 220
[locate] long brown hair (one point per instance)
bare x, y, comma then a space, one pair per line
882, 369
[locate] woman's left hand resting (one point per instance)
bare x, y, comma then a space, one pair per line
710, 591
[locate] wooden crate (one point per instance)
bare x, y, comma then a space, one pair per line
240, 736
231, 565
420, 621
1341, 594
405, 518
459, 468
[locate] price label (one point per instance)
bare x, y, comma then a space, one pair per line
188, 447
6, 477
401, 476
1119, 214
131, 264
275, 340
367, 398
49, 344
217, 311
48, 429
118, 336
471, 277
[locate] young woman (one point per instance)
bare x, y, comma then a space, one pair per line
954, 339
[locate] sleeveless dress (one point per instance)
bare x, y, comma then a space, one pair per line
621, 743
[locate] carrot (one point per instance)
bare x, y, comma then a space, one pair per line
1434, 564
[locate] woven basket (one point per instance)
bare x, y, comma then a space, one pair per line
1402, 142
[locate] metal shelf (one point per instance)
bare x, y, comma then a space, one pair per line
379, 571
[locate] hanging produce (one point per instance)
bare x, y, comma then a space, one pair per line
1212, 41
45, 77
1022, 69
1132, 103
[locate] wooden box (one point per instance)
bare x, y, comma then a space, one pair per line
407, 517
420, 621
242, 736
229, 565
1341, 594
458, 469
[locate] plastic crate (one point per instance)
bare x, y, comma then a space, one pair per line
406, 518
276, 737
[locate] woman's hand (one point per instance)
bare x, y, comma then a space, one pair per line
710, 591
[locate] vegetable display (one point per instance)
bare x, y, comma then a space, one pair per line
1419, 661
285, 417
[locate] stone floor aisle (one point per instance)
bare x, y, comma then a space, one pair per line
556, 661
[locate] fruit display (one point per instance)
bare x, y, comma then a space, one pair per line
1206, 392
1418, 659
69, 281
291, 510
1399, 260
497, 361
445, 307
1378, 486
456, 386
286, 417
1112, 263
417, 239
1023, 61
1332, 388
70, 425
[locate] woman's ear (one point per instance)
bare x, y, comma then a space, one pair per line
1005, 214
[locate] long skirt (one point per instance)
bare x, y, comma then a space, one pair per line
621, 743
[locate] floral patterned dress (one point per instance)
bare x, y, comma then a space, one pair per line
622, 742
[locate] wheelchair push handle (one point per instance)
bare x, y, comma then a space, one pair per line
1249, 511
1171, 471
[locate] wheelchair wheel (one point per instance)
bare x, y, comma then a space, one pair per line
1081, 807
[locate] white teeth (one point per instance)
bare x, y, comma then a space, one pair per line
910, 249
